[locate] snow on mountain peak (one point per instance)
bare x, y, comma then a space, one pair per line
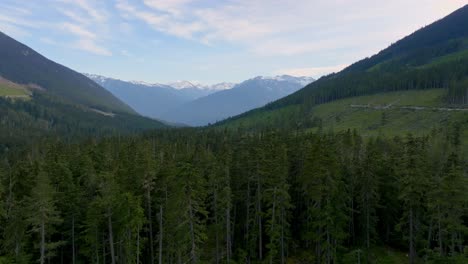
303, 80
198, 85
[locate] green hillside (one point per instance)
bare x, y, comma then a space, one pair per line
390, 114
7, 91
23, 65
12, 90
433, 57
25, 122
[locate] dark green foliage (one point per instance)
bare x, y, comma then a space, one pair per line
45, 116
458, 92
199, 196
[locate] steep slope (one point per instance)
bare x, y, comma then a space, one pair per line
242, 97
42, 116
153, 100
23, 65
433, 57
41, 99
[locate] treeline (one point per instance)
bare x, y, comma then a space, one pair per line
458, 92
193, 196
448, 73
25, 121
391, 76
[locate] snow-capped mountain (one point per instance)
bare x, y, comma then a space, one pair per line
302, 80
193, 84
193, 103
243, 97
151, 99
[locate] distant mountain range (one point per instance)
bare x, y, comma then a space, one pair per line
154, 99
201, 86
245, 96
196, 104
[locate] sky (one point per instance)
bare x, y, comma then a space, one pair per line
210, 41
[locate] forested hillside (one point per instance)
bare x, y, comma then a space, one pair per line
44, 117
192, 196
365, 166
23, 65
41, 99
434, 57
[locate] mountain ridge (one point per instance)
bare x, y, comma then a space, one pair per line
246, 95
408, 64
23, 65
149, 99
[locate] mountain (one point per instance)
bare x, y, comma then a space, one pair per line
153, 99
242, 97
434, 57
23, 65
187, 85
40, 98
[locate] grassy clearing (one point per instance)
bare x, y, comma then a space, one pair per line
9, 89
383, 114
386, 113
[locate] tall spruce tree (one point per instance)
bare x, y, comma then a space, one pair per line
413, 188
43, 215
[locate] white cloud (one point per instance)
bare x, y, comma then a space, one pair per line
312, 71
78, 30
87, 21
13, 30
90, 46
49, 41
170, 6
92, 12
20, 21
273, 28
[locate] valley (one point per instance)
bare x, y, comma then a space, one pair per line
365, 164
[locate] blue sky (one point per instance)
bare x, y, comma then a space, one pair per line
213, 40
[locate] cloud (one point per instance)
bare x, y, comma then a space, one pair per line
13, 30
87, 21
277, 28
312, 71
20, 21
93, 13
49, 41
78, 30
14, 9
90, 46
170, 6
164, 22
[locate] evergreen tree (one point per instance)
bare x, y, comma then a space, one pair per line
43, 215
323, 190
413, 188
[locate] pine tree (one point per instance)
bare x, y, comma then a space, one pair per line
413, 187
447, 203
369, 193
186, 213
323, 190
277, 200
43, 215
